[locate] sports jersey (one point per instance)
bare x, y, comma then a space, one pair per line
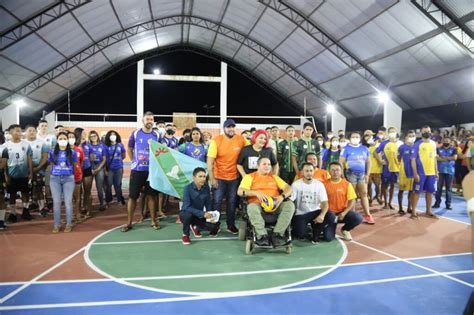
405, 152
303, 147
425, 155
356, 158
389, 152
61, 165
446, 167
18, 154
171, 143
38, 148
198, 152
285, 148
140, 143
99, 151
80, 160
375, 166
226, 151
329, 157
49, 140
114, 154
86, 147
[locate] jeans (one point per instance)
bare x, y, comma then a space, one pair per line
99, 185
62, 185
285, 213
188, 219
447, 181
227, 188
300, 222
114, 179
351, 220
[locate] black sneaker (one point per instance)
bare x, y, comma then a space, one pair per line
278, 240
26, 215
449, 207
263, 241
232, 229
216, 230
436, 205
44, 212
2, 226
12, 218
101, 208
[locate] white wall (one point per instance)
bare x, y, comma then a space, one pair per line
10, 116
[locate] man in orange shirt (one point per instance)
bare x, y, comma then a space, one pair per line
341, 198
319, 173
258, 187
222, 157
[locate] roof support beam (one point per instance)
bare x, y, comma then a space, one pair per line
34, 23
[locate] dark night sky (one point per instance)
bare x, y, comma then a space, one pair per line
118, 93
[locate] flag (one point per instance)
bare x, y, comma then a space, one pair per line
170, 170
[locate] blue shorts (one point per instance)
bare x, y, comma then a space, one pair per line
389, 178
355, 178
426, 183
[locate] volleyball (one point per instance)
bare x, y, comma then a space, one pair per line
269, 205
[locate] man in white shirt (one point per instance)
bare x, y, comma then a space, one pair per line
311, 203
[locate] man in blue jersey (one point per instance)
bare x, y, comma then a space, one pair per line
405, 182
446, 156
425, 170
139, 153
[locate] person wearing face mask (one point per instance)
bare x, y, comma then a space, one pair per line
329, 136
375, 168
356, 158
169, 139
287, 171
387, 156
247, 161
160, 128
446, 156
320, 140
185, 138
115, 154
405, 182
425, 171
98, 153
78, 174
63, 160
332, 154
381, 133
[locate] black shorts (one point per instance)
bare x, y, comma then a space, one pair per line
38, 180
87, 172
139, 180
18, 184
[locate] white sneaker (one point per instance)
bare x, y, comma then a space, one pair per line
346, 235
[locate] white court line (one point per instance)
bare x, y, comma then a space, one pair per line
163, 241
413, 264
41, 275
236, 273
224, 295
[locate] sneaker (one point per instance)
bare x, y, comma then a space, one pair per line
12, 218
346, 235
315, 241
101, 208
436, 206
263, 241
232, 229
278, 240
2, 226
369, 219
44, 212
68, 228
196, 231
186, 240
26, 215
216, 230
122, 202
448, 207
55, 229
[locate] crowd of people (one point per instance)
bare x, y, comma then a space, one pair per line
313, 180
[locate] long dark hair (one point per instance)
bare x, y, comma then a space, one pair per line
201, 139
68, 149
107, 138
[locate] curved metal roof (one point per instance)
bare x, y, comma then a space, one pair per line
340, 51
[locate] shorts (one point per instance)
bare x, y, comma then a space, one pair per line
355, 178
37, 181
426, 183
18, 185
405, 183
389, 178
86, 172
138, 180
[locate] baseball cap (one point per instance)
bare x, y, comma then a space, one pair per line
229, 122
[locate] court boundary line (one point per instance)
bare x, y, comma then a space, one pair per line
227, 295
203, 275
412, 263
164, 241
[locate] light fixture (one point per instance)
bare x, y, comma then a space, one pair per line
156, 71
331, 108
20, 103
383, 97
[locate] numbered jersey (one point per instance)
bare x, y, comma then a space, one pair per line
18, 154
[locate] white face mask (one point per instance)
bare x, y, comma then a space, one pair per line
392, 135
161, 131
62, 143
355, 141
370, 141
335, 144
320, 143
113, 138
411, 139
380, 136
71, 141
343, 144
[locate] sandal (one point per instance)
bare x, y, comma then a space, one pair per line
414, 216
432, 216
126, 228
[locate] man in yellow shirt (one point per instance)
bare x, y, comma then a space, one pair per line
258, 187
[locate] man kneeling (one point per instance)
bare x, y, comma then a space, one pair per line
311, 207
258, 186
197, 195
